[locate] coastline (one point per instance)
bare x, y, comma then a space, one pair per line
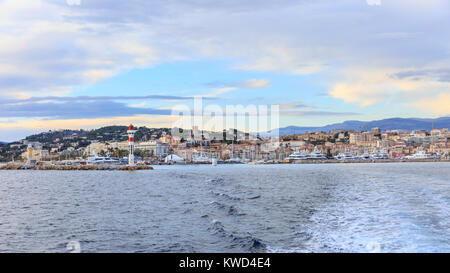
334, 161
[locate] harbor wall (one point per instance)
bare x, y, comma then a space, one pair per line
15, 166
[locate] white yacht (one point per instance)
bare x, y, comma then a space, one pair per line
364, 156
316, 155
235, 160
375, 155
345, 156
172, 159
245, 160
200, 159
421, 154
102, 160
297, 156
384, 154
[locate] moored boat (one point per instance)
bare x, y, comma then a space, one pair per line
297, 156
421, 154
345, 156
316, 155
201, 159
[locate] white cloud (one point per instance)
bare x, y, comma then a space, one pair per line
49, 46
228, 87
254, 83
219, 91
43, 50
439, 104
425, 89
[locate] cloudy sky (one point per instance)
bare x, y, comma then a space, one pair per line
90, 63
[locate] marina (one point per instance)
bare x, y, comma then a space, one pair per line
309, 148
296, 159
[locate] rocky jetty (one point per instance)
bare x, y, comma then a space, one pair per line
15, 166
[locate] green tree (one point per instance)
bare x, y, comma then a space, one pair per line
143, 153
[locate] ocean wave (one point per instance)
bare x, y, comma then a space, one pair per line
226, 196
271, 249
217, 180
243, 243
254, 197
231, 210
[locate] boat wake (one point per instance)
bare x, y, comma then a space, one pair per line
230, 209
241, 243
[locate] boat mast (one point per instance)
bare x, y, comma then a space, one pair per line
432, 135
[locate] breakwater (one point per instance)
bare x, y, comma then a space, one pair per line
105, 167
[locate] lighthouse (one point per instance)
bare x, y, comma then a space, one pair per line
131, 131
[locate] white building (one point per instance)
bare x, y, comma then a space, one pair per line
158, 148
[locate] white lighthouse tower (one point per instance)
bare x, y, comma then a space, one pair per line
131, 131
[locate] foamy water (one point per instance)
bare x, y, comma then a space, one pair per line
394, 207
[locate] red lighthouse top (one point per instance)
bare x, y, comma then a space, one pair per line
131, 128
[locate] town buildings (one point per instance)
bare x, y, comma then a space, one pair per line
397, 143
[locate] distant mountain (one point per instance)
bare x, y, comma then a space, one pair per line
2, 143
407, 124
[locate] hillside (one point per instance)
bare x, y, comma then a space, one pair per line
406, 124
63, 139
109, 133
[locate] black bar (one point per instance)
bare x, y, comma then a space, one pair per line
247, 262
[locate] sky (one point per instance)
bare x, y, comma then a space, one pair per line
83, 64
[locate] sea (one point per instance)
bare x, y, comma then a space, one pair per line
382, 207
